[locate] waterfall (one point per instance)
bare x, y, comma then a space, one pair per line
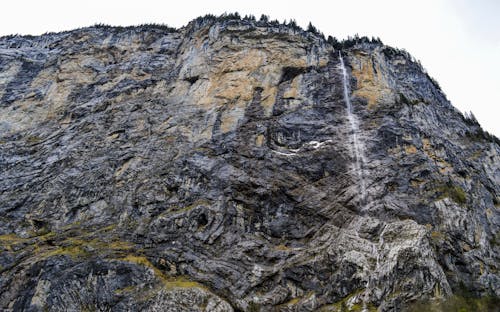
357, 148
357, 154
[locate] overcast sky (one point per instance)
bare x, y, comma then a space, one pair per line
457, 41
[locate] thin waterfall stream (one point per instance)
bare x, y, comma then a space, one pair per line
357, 153
357, 148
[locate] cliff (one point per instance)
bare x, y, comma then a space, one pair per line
237, 165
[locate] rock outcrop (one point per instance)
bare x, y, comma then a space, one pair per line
212, 168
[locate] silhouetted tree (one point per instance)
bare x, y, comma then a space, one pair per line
249, 18
311, 28
264, 18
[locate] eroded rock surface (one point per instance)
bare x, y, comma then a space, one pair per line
211, 168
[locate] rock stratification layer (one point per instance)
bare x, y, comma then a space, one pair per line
218, 167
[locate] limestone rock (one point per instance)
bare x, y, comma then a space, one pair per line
211, 168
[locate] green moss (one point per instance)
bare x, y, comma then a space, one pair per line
292, 301
495, 240
457, 303
403, 99
108, 228
12, 242
74, 242
168, 281
140, 260
437, 237
71, 226
454, 192
47, 236
11, 238
74, 238
74, 252
180, 210
253, 307
342, 306
296, 300
119, 245
33, 139
182, 282
359, 307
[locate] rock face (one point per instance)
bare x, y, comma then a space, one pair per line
214, 168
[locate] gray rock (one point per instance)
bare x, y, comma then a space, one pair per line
212, 168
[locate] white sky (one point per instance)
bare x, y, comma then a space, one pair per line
457, 41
